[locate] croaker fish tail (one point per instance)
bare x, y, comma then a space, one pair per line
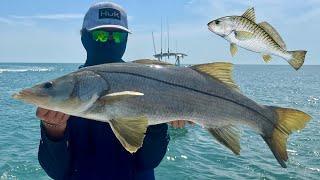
297, 59
288, 120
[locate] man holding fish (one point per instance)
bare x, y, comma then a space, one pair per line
77, 148
136, 99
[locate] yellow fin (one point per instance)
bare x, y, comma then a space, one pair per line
250, 14
130, 131
151, 61
118, 96
243, 35
266, 57
228, 136
273, 33
297, 59
288, 120
221, 71
233, 49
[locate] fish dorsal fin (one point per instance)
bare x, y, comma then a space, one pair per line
152, 62
273, 33
228, 136
130, 131
118, 96
249, 14
220, 71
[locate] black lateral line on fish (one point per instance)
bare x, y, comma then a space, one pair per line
185, 87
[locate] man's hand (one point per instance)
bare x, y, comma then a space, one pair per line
180, 123
54, 122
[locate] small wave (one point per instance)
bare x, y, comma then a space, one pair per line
32, 69
313, 100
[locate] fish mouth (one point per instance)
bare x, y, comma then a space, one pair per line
210, 27
26, 94
22, 94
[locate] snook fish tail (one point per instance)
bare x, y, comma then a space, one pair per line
287, 121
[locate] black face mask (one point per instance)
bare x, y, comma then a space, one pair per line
100, 53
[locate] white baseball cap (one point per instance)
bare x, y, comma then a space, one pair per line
105, 15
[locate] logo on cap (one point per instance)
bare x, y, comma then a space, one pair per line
109, 13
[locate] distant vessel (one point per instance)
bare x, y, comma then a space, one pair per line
160, 56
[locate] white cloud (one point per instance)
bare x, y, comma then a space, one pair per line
31, 20
51, 16
11, 22
5, 20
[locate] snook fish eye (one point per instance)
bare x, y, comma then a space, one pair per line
47, 85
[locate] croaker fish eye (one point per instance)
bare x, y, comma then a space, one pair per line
47, 85
217, 22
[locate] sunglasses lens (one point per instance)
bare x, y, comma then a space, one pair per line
101, 36
117, 37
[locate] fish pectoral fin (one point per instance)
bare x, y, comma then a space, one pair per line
118, 96
233, 49
267, 58
220, 71
250, 14
228, 136
130, 131
243, 35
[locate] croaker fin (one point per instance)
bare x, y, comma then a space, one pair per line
228, 136
220, 71
118, 96
273, 33
297, 59
243, 35
288, 120
267, 58
233, 49
250, 14
130, 131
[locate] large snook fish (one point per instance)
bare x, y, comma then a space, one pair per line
262, 38
131, 96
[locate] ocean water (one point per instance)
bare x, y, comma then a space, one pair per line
192, 152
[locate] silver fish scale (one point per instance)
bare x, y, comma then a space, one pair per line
172, 93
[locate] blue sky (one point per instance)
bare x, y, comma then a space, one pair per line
48, 31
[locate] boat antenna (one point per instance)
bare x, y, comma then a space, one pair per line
161, 40
168, 38
154, 45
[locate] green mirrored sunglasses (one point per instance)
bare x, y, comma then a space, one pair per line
103, 36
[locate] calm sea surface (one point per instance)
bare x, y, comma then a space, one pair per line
192, 152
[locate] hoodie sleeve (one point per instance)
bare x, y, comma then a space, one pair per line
154, 147
53, 155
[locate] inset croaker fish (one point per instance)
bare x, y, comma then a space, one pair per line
131, 96
262, 38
